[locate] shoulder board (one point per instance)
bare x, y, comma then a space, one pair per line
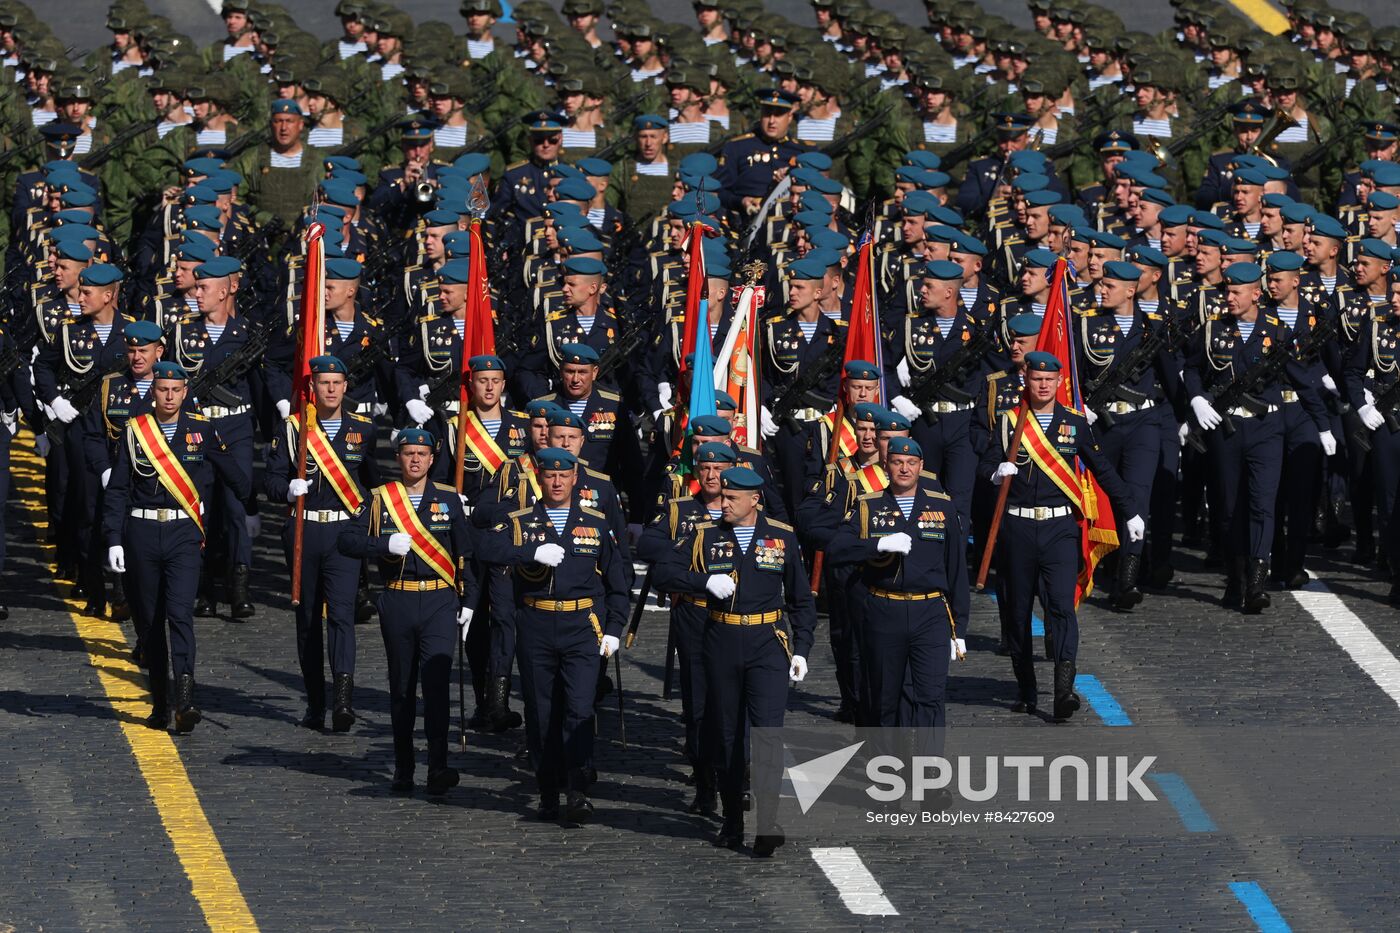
1074, 411
841, 323
610, 396
743, 136
365, 418
518, 414
704, 526
521, 513
992, 377
1224, 152
373, 321
70, 320
751, 450
1151, 316
127, 317
597, 473
197, 416
781, 525
444, 487
1271, 319
516, 165
934, 493
592, 512
872, 495
775, 319
678, 500
928, 474
555, 315
1092, 184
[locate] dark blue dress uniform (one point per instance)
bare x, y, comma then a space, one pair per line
748, 162
747, 650
916, 605
605, 424
561, 329
563, 613
163, 545
1372, 366
418, 612
1038, 550
328, 576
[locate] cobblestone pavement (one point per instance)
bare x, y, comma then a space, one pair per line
315, 840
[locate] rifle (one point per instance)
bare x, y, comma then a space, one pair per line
1385, 403
1110, 385
1244, 391
620, 350
355, 146
81, 395
804, 388
214, 382
942, 383
961, 153
839, 147
100, 155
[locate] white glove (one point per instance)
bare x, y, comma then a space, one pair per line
1329, 443
1181, 431
1004, 469
720, 586
63, 410
418, 411
1367, 413
766, 424
609, 646
400, 544
897, 543
284, 409
1089, 415
116, 559
1329, 383
464, 619
905, 407
253, 525
798, 669
42, 446
551, 555
106, 475
1136, 528
380, 409
10, 421
663, 393
466, 506
957, 650
1206, 416
902, 371
297, 488
422, 390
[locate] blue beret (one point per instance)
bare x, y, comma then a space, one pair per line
328, 365
724, 401
202, 165
350, 175
694, 182
342, 269
286, 105
892, 421
905, 446
806, 268
1298, 213
486, 363
711, 452
922, 158
649, 121
442, 217
1274, 199
944, 270
1028, 160
223, 181
861, 369
1283, 261
349, 163
100, 274
701, 163
913, 174
1178, 215
1107, 240
332, 215
1157, 196
967, 243
919, 202
1206, 220
827, 257
456, 271
340, 192
563, 170
580, 239
1324, 225
803, 175
457, 244
942, 233
825, 185
195, 249
1249, 176
812, 218
1030, 181
1125, 271
740, 477
415, 436
1382, 201
1243, 273
472, 163
594, 168
1024, 325
1147, 256
1386, 174
1041, 362
1217, 238
577, 353
709, 426
869, 411
218, 268
555, 458
1241, 245
826, 238
541, 408
1068, 215
169, 369
683, 209
815, 159
72, 217
1039, 258
562, 211
77, 198
1372, 247
584, 265
203, 217
944, 214
141, 333
575, 189
564, 418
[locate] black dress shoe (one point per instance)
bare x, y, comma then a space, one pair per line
403, 783
159, 719
120, 612
1297, 581
313, 719
578, 808
187, 716
765, 844
845, 714
730, 835
4, 613
549, 808
1160, 576
1023, 706
343, 716
705, 802
440, 782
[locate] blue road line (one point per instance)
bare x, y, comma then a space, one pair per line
1101, 700
1037, 624
1261, 910
1179, 795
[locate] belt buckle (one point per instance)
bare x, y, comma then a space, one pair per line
163, 515
1042, 513
321, 516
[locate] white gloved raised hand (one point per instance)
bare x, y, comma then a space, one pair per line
609, 646
1206, 416
1089, 415
284, 409
905, 407
423, 390
464, 620
297, 488
1329, 443
1004, 469
253, 525
798, 669
1329, 383
116, 559
418, 411
63, 410
720, 586
1136, 528
400, 544
766, 424
42, 446
551, 555
897, 543
902, 371
663, 393
106, 477
1370, 416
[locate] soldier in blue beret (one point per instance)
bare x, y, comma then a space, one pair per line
571, 587
417, 531
155, 532
747, 567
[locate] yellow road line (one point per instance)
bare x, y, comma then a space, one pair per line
1264, 14
202, 858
